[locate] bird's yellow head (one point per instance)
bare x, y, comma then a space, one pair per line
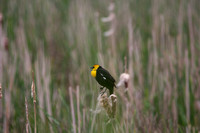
94, 70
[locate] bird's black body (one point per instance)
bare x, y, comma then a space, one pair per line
104, 78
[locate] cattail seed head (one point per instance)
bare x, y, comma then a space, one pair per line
32, 86
123, 82
108, 103
33, 95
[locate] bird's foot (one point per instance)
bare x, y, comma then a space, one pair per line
103, 91
101, 88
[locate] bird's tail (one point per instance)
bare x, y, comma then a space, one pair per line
111, 90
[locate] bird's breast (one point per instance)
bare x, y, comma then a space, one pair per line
93, 73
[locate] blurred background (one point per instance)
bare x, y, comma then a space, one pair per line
56, 41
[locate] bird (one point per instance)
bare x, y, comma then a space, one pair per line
103, 77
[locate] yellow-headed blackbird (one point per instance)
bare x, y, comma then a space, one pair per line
103, 77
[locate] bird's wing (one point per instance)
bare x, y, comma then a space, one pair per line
106, 75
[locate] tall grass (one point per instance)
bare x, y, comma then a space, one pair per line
59, 40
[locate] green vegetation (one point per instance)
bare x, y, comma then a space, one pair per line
60, 39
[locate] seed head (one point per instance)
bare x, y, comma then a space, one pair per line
123, 81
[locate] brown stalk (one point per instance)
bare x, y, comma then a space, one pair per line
72, 109
180, 39
1, 112
38, 72
113, 26
127, 117
0, 91
174, 108
130, 52
46, 79
2, 60
191, 33
78, 109
125, 64
11, 73
187, 95
84, 115
111, 32
34, 100
27, 120
1, 46
99, 39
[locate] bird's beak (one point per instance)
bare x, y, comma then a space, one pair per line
91, 67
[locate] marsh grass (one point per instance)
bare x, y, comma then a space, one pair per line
59, 40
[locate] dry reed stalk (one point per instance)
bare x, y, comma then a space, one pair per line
111, 32
192, 40
111, 36
33, 94
78, 109
11, 73
99, 40
84, 112
27, 120
187, 93
127, 117
1, 112
130, 54
174, 109
46, 79
42, 68
180, 39
0, 92
113, 27
1, 66
23, 52
125, 65
123, 83
7, 116
155, 28
197, 93
154, 66
1, 18
39, 87
7, 111
72, 109
93, 121
1, 48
